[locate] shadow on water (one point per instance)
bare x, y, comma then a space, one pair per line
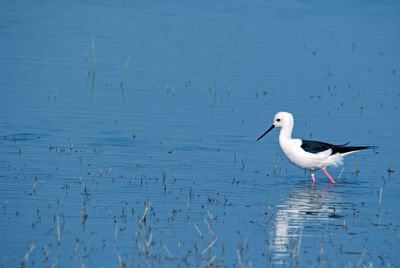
307, 207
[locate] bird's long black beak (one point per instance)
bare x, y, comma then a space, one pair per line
266, 132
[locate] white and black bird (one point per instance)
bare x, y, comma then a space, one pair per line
307, 154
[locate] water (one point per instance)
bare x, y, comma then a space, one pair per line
165, 170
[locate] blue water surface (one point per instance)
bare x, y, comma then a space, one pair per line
128, 133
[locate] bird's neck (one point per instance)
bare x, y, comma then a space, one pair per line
286, 133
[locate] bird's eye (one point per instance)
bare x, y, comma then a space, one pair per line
278, 120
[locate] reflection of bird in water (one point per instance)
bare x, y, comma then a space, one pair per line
305, 207
306, 154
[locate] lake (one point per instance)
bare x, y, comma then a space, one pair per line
128, 133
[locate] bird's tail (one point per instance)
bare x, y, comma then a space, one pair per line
345, 150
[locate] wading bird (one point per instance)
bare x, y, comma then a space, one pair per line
306, 154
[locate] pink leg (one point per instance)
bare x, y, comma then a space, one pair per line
327, 174
313, 177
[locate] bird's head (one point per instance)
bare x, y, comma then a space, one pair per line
281, 119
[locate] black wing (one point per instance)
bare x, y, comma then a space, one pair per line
317, 146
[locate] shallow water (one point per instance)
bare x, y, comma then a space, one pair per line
165, 170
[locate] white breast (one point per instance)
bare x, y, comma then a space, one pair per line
305, 160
